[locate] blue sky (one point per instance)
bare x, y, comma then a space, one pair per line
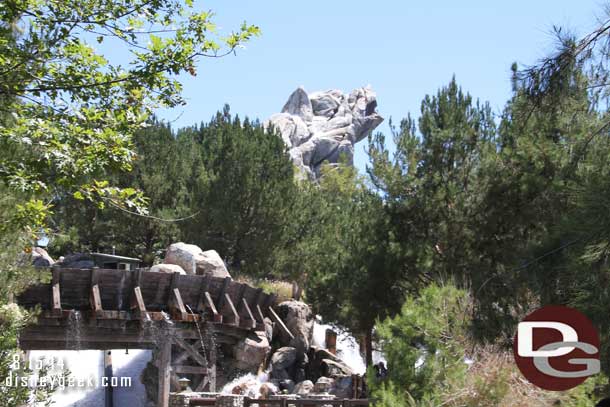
404, 49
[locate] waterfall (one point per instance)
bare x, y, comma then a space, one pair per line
348, 349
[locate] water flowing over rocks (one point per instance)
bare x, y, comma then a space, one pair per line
324, 126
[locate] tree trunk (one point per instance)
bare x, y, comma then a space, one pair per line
368, 344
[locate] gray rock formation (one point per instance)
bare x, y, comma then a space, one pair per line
191, 258
324, 126
299, 320
251, 353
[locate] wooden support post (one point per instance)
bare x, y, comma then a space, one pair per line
205, 282
259, 314
108, 374
280, 323
249, 321
216, 317
164, 367
137, 302
176, 306
221, 297
191, 351
331, 341
212, 366
96, 301
230, 311
55, 294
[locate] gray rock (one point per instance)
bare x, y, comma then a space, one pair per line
280, 374
40, 258
323, 385
192, 259
303, 388
299, 320
250, 353
167, 268
284, 358
326, 103
298, 104
287, 385
292, 128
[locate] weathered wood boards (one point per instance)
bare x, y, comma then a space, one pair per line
72, 289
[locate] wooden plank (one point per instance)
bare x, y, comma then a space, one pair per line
259, 314
96, 301
216, 317
56, 293
221, 295
192, 352
176, 305
280, 323
138, 302
202, 383
205, 282
164, 367
182, 369
230, 311
249, 321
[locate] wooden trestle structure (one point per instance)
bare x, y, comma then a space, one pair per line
146, 310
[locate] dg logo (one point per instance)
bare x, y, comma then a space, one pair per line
556, 348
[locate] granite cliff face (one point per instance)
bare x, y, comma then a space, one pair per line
324, 126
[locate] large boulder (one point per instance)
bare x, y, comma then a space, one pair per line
299, 320
304, 388
167, 268
284, 358
324, 363
40, 258
194, 260
251, 353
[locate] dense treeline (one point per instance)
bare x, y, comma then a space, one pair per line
462, 224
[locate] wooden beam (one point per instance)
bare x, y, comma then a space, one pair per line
137, 302
221, 296
230, 311
205, 282
56, 293
192, 352
280, 323
216, 317
96, 301
183, 369
259, 314
202, 383
165, 369
176, 305
249, 320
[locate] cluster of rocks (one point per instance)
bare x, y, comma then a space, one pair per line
293, 364
324, 126
186, 258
